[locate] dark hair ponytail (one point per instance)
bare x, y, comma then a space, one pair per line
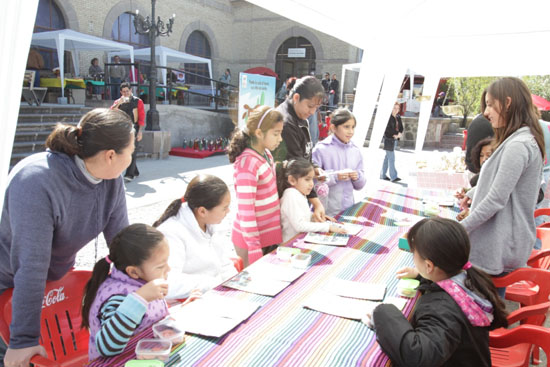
308, 87
296, 168
445, 242
481, 283
205, 191
239, 142
130, 247
99, 129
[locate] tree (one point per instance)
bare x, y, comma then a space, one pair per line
539, 85
467, 93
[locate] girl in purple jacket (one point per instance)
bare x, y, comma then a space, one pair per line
342, 161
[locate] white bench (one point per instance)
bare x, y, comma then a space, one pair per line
30, 92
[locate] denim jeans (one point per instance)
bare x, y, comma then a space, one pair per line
389, 160
115, 89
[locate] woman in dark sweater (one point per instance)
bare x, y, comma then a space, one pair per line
55, 203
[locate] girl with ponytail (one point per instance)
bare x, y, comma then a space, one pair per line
55, 203
257, 226
199, 255
126, 291
459, 303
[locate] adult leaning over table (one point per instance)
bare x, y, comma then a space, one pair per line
501, 224
55, 203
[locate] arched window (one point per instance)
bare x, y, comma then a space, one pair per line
125, 32
300, 62
198, 45
50, 18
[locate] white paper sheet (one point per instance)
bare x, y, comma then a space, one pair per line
349, 308
206, 317
265, 286
348, 288
351, 228
323, 239
283, 272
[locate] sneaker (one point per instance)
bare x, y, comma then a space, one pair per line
385, 178
397, 179
128, 178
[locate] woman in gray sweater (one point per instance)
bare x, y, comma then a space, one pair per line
55, 203
501, 223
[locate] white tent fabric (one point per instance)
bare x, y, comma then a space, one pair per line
16, 26
433, 37
164, 55
67, 39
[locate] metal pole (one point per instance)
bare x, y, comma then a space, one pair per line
153, 114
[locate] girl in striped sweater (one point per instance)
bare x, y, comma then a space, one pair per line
125, 298
257, 226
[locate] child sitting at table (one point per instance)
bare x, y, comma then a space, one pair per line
199, 257
294, 183
480, 153
127, 297
459, 303
338, 154
257, 226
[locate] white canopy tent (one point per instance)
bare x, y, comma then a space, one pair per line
433, 37
164, 55
67, 39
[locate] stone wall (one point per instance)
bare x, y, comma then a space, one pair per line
190, 123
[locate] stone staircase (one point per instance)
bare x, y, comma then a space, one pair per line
35, 124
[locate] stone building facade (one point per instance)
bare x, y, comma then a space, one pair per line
240, 35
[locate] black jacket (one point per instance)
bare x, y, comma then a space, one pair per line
296, 137
391, 130
439, 334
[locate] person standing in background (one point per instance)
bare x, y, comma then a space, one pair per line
326, 86
391, 136
134, 108
35, 62
334, 90
117, 74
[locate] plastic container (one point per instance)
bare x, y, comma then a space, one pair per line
144, 363
300, 260
153, 349
285, 253
407, 287
168, 330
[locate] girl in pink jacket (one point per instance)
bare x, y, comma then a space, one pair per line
257, 226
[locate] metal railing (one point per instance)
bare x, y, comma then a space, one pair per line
223, 94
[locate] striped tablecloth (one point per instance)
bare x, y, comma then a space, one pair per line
282, 332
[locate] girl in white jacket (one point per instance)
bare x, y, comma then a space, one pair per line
199, 258
294, 183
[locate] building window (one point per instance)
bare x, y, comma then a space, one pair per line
50, 18
125, 32
198, 45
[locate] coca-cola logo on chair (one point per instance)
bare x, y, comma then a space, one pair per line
54, 296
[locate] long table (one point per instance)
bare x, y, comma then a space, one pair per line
282, 332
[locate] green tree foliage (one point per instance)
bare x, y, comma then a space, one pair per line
539, 85
467, 93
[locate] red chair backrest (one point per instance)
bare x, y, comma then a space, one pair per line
60, 331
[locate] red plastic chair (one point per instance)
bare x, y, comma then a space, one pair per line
524, 292
512, 347
543, 211
60, 333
